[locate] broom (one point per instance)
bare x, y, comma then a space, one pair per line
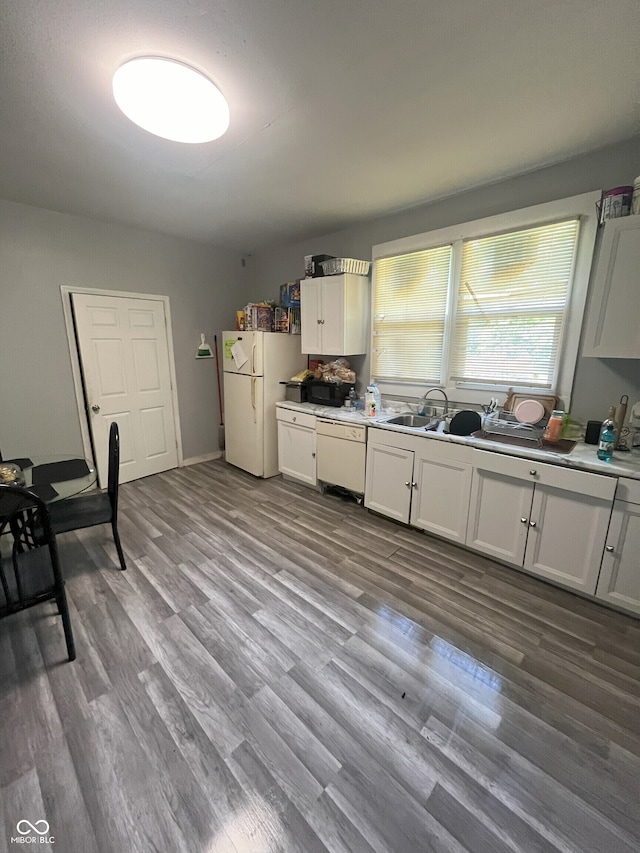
221, 427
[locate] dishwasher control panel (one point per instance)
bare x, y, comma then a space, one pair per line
340, 429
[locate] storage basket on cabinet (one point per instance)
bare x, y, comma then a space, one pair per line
335, 266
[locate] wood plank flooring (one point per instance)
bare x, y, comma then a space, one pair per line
282, 671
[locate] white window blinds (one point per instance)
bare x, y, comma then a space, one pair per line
409, 313
511, 304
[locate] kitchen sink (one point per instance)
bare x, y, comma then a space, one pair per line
409, 420
563, 446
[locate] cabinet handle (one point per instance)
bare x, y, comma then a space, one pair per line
407, 484
322, 322
294, 419
533, 472
318, 322
532, 524
609, 548
414, 485
524, 520
313, 455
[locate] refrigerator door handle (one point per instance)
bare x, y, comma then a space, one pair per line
253, 358
253, 398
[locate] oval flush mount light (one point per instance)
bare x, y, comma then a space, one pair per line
170, 99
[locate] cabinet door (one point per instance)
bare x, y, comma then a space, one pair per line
567, 533
499, 513
619, 581
613, 330
311, 316
388, 481
332, 317
440, 502
297, 452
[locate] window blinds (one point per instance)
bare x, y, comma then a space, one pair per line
511, 302
409, 312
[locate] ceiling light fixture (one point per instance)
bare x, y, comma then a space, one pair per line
170, 99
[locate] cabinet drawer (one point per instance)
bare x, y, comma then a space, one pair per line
290, 416
628, 490
583, 482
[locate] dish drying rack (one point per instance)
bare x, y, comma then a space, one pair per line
505, 424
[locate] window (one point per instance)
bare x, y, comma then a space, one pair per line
512, 297
410, 306
496, 305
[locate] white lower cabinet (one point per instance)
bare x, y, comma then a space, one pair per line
546, 519
389, 474
441, 489
418, 481
619, 581
297, 445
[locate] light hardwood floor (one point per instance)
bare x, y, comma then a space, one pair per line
282, 671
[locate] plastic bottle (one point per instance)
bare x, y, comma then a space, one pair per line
607, 440
372, 401
553, 431
352, 399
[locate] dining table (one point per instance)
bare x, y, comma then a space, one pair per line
54, 476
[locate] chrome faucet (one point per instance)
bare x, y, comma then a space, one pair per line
425, 396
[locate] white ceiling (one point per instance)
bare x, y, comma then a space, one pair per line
339, 110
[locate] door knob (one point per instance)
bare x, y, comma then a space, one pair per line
407, 484
414, 485
609, 548
524, 520
533, 472
532, 524
95, 408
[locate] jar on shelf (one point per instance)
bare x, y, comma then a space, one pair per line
553, 431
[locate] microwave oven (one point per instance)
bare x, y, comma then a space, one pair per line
328, 393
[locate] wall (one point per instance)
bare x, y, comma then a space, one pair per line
41, 250
598, 383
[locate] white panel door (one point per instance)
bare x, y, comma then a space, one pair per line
499, 514
567, 533
124, 354
311, 316
613, 330
332, 317
388, 481
297, 452
244, 422
441, 494
619, 581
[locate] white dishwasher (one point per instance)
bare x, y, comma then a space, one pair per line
341, 452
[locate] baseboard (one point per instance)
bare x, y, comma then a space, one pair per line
206, 457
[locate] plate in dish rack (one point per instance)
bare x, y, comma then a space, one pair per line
529, 412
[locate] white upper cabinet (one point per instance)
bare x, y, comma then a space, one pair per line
334, 314
613, 325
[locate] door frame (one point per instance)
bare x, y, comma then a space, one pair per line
76, 370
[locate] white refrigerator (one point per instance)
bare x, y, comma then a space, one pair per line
255, 364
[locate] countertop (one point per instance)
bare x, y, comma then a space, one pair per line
582, 457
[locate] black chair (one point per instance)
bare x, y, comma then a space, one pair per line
32, 575
94, 508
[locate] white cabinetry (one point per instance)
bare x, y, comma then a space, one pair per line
442, 475
613, 326
547, 519
389, 480
619, 581
297, 445
419, 481
334, 314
